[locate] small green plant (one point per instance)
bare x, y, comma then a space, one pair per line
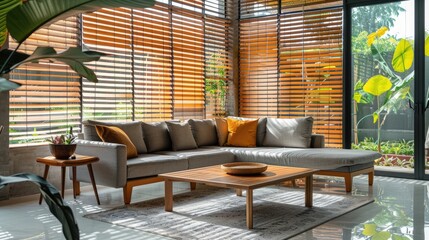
65, 139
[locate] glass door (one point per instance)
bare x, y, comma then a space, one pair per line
382, 65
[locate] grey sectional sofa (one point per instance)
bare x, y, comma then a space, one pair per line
173, 146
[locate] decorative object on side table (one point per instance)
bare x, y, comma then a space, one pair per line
62, 146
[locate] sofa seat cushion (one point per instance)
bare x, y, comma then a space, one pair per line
202, 157
146, 165
316, 158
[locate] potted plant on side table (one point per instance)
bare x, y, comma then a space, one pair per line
63, 146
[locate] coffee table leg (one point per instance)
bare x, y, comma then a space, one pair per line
309, 191
239, 192
249, 208
168, 195
45, 175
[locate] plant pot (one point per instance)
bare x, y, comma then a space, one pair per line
62, 151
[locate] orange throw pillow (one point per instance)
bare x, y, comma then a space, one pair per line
116, 135
242, 133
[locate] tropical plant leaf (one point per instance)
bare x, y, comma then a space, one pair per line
377, 85
5, 7
369, 229
54, 200
427, 46
6, 85
74, 57
403, 56
16, 58
383, 235
23, 20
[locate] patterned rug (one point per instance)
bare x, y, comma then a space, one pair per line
216, 213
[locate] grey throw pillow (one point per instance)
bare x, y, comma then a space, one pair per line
204, 132
156, 136
181, 136
288, 132
132, 129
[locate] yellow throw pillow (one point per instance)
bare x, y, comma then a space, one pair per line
116, 135
242, 133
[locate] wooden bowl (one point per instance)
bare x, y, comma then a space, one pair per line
244, 168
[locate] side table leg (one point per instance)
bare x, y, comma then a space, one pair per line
168, 195
249, 208
63, 176
74, 182
309, 191
45, 175
94, 186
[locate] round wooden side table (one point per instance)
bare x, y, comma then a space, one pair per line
77, 161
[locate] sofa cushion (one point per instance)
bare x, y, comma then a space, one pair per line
156, 136
132, 129
204, 131
181, 136
146, 165
317, 158
288, 132
260, 133
221, 130
116, 135
202, 157
242, 133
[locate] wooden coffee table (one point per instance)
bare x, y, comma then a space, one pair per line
213, 175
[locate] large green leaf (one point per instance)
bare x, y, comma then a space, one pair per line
53, 199
403, 56
23, 20
5, 7
377, 85
6, 85
74, 57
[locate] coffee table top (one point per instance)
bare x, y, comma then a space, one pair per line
215, 175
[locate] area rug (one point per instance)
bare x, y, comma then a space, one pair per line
216, 213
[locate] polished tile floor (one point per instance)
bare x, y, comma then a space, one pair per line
399, 212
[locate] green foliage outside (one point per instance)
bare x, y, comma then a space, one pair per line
215, 84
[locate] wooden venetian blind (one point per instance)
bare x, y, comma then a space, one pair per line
258, 8
291, 65
188, 63
158, 60
310, 68
258, 67
109, 31
48, 102
152, 64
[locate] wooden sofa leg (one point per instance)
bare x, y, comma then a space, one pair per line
193, 185
371, 178
349, 182
128, 190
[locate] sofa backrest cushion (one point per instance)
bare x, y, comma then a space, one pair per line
288, 132
132, 129
241, 133
116, 135
156, 136
204, 132
221, 130
181, 136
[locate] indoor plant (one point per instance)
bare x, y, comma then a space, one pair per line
62, 146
